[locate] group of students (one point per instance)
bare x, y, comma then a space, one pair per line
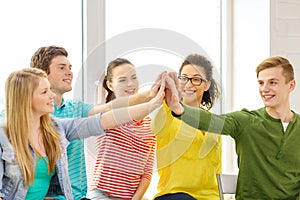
42, 155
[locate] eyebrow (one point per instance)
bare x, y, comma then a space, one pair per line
64, 64
122, 77
126, 76
271, 79
194, 75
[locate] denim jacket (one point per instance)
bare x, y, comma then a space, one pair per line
12, 185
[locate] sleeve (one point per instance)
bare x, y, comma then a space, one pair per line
225, 124
162, 120
80, 128
148, 170
2, 117
1, 163
1, 169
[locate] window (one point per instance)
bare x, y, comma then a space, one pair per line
28, 25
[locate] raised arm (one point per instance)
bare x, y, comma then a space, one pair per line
117, 116
135, 99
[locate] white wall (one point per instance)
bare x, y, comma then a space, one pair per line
285, 38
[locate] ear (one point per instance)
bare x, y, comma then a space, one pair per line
110, 85
207, 85
292, 85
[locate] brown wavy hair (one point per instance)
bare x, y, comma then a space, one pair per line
42, 58
213, 92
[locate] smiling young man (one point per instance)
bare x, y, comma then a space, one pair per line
267, 139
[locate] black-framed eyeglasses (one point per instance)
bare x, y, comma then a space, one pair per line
196, 81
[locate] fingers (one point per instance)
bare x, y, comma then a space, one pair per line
156, 85
171, 84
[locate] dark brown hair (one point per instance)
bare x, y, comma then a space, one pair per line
42, 58
109, 76
213, 92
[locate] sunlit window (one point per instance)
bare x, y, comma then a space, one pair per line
28, 25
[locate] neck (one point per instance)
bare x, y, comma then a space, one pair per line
35, 124
194, 104
284, 114
58, 99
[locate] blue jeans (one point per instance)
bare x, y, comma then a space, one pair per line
175, 196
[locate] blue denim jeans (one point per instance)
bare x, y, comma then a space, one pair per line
175, 196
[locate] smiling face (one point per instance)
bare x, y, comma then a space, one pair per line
60, 76
124, 80
192, 95
42, 98
274, 89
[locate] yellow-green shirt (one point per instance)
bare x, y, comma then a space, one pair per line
187, 159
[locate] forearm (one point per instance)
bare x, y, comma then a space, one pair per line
141, 190
122, 102
201, 119
121, 115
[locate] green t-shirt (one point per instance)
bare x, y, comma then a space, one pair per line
268, 155
40, 186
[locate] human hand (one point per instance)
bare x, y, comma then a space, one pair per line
160, 85
172, 93
156, 85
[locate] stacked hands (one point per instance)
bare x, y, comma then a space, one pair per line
166, 87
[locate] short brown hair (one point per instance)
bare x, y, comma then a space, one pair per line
277, 61
42, 58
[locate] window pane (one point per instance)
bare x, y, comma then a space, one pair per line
28, 25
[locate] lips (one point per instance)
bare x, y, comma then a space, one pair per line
268, 97
130, 91
189, 91
69, 81
50, 103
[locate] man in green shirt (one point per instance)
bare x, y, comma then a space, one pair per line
267, 139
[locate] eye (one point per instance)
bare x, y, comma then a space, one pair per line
197, 80
273, 82
183, 78
121, 80
134, 77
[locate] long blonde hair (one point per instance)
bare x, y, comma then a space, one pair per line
19, 89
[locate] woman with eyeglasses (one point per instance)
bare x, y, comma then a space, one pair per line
188, 159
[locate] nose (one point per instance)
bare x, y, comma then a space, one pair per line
69, 72
52, 94
264, 87
129, 83
189, 83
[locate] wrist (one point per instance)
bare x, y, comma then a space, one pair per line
178, 111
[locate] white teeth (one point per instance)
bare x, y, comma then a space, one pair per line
130, 91
268, 96
189, 91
